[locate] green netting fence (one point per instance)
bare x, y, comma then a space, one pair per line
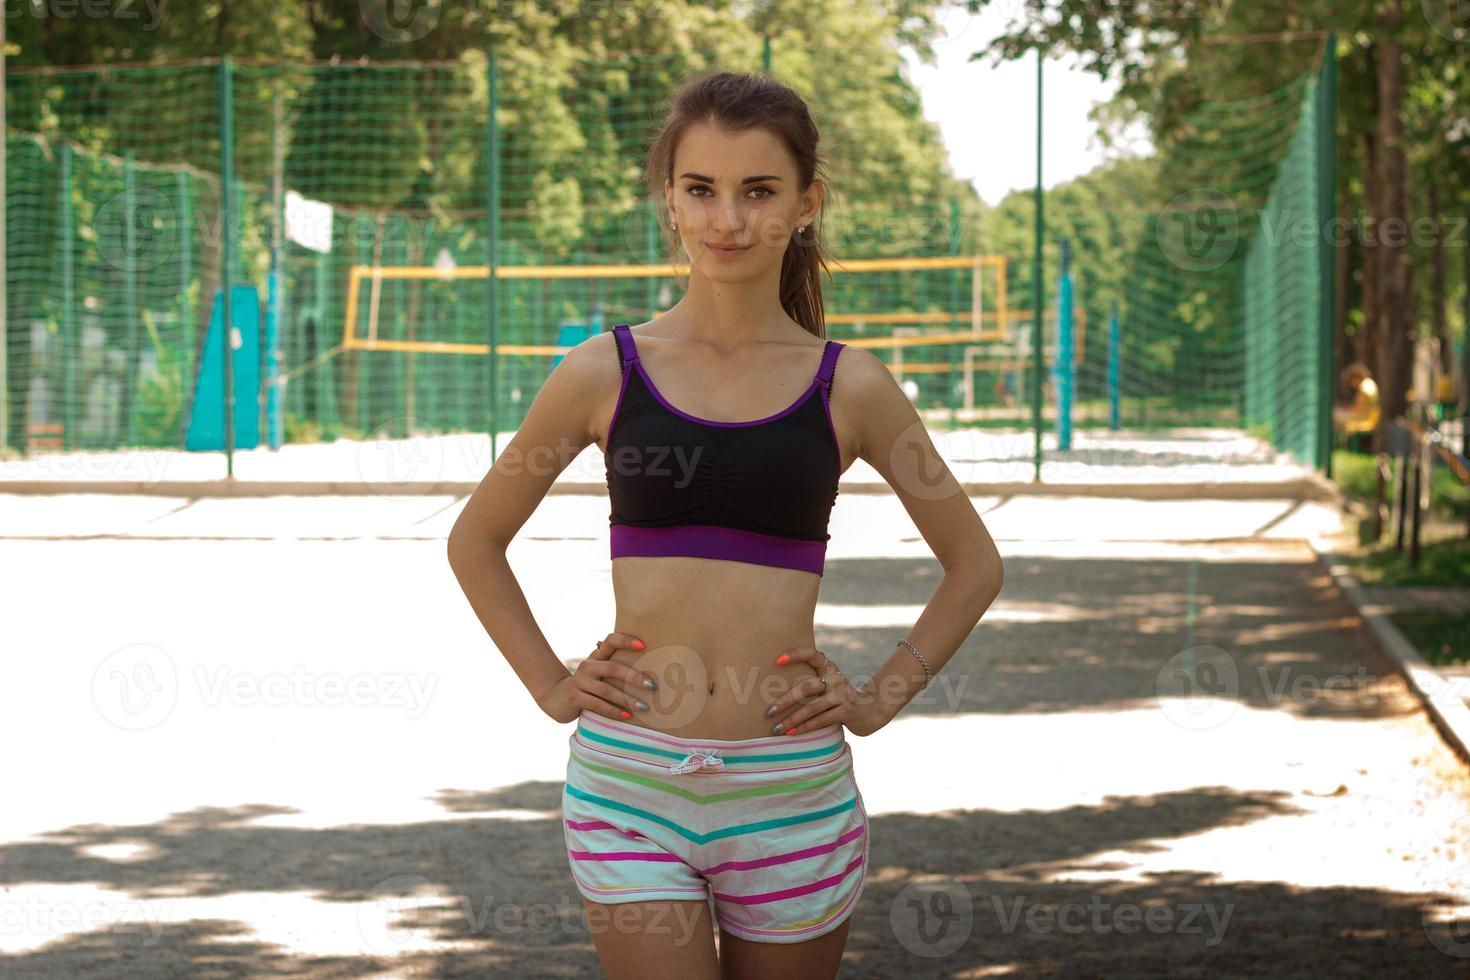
358, 213
1226, 305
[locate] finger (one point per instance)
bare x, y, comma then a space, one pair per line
805, 710
806, 655
803, 689
621, 703
632, 675
614, 642
831, 716
635, 678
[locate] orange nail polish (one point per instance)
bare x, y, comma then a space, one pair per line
627, 714
785, 658
638, 644
790, 730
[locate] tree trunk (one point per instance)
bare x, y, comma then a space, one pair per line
1437, 299
1342, 271
1395, 319
1368, 335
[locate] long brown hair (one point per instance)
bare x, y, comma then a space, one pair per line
736, 101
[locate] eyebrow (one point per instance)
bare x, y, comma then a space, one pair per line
747, 180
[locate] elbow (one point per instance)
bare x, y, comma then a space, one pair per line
457, 548
993, 580
989, 577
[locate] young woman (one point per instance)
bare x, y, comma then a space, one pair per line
710, 783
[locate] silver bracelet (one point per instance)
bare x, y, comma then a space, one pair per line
928, 675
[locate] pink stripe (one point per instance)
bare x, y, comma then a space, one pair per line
738, 929
600, 825
766, 862
695, 890
624, 856
687, 744
597, 748
795, 892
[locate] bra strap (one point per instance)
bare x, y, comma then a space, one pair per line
624, 336
829, 364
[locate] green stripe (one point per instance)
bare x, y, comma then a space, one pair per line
625, 808
693, 796
738, 757
734, 830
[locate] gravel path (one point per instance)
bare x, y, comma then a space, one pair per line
268, 738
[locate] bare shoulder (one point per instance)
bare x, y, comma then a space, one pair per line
872, 405
594, 369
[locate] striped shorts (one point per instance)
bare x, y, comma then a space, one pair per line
770, 831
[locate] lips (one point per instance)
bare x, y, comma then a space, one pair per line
729, 248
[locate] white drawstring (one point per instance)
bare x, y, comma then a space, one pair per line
695, 761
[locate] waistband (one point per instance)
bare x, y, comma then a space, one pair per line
643, 747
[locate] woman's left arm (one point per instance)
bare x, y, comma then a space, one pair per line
892, 438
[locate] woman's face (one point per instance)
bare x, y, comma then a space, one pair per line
737, 189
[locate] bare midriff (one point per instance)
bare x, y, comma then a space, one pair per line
714, 629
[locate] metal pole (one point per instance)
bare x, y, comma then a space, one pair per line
186, 313
492, 235
4, 292
71, 345
1038, 287
227, 251
130, 294
1113, 368
1327, 269
271, 373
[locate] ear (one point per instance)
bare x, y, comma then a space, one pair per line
811, 202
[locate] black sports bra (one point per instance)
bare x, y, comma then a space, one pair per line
759, 491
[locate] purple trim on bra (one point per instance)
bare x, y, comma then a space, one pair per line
823, 378
653, 390
714, 541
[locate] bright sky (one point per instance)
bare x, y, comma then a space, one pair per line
987, 116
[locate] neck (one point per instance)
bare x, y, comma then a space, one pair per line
730, 314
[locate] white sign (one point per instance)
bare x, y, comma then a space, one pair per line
308, 222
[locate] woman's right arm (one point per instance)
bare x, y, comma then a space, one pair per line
556, 430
